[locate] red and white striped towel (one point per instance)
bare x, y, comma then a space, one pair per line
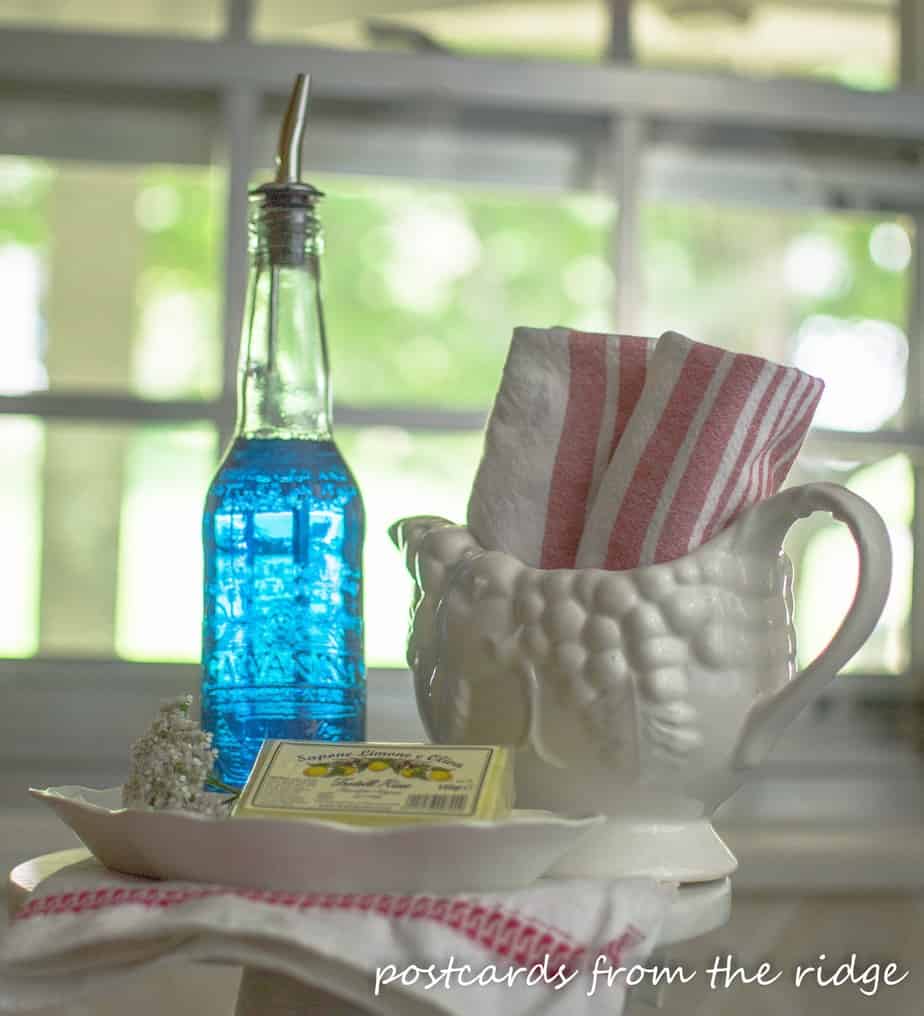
385, 952
712, 433
565, 399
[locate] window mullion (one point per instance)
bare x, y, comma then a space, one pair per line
238, 19
914, 418
866, 445
619, 44
106, 60
627, 149
911, 36
414, 418
109, 407
912, 74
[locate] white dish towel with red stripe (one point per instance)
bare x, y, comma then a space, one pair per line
565, 399
610, 451
532, 951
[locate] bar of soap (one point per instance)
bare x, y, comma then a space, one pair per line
378, 784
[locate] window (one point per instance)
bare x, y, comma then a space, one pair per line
423, 288
853, 43
142, 243
572, 187
109, 274
829, 293
102, 538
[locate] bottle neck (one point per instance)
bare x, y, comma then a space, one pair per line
284, 374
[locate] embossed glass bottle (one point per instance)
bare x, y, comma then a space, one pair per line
282, 653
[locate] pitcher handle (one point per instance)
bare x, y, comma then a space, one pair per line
764, 527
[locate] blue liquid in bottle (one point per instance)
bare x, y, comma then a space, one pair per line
282, 632
282, 640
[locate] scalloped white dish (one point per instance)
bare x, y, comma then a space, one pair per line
310, 856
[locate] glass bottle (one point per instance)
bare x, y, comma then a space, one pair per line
282, 652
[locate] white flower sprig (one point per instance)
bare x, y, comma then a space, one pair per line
172, 763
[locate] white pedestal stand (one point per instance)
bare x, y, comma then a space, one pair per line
698, 908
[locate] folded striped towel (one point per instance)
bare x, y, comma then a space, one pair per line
565, 399
712, 433
87, 927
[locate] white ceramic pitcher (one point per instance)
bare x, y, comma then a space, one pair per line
647, 695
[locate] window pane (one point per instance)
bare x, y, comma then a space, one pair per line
21, 451
825, 562
555, 30
109, 278
852, 43
826, 292
161, 17
855, 44
101, 538
159, 603
402, 473
424, 285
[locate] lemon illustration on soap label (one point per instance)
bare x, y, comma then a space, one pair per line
405, 767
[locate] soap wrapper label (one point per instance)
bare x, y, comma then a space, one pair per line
349, 780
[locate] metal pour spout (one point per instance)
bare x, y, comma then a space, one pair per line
285, 206
289, 152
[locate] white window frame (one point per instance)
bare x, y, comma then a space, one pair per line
619, 128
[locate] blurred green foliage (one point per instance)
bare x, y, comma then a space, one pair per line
25, 186
733, 276
182, 213
423, 285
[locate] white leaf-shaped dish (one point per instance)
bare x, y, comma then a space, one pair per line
309, 856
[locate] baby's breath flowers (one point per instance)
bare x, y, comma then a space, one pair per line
171, 764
